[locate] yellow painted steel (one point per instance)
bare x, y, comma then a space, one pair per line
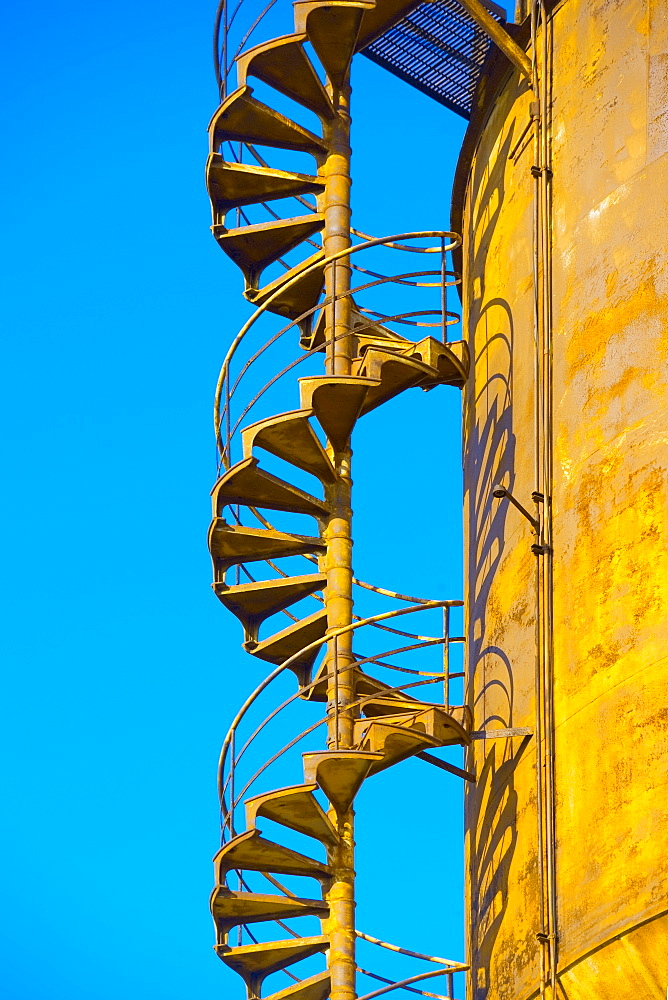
338, 595
564, 200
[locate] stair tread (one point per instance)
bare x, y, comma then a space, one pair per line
260, 960
253, 248
246, 483
230, 908
253, 602
279, 647
337, 402
285, 66
301, 296
364, 684
339, 773
394, 373
295, 807
242, 118
394, 744
390, 706
364, 329
397, 371
233, 185
400, 737
332, 29
450, 361
250, 851
315, 988
290, 436
230, 544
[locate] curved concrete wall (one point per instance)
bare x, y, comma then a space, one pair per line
610, 503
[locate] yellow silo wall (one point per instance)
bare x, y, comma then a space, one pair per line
609, 439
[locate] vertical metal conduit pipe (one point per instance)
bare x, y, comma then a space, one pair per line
542, 256
548, 449
538, 673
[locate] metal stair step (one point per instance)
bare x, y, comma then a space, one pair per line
233, 185
365, 684
254, 962
295, 807
290, 436
393, 744
231, 908
253, 602
337, 402
230, 544
428, 719
253, 248
315, 988
365, 330
390, 706
285, 66
246, 483
340, 773
441, 725
282, 645
450, 361
300, 297
249, 851
401, 736
242, 118
393, 373
332, 29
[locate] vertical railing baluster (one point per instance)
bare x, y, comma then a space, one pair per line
444, 294
336, 692
230, 811
224, 54
446, 657
228, 422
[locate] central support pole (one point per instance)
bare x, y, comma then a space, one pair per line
335, 203
336, 236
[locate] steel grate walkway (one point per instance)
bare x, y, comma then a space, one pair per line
438, 49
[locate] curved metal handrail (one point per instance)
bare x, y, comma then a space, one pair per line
455, 241
415, 979
381, 279
264, 684
405, 951
401, 317
359, 703
408, 989
447, 319
234, 803
221, 65
398, 279
434, 676
357, 583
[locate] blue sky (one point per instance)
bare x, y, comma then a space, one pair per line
122, 670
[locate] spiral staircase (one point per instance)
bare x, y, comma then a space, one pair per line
371, 726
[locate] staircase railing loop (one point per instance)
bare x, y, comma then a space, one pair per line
224, 376
227, 817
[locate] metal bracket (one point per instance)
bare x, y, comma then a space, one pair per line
493, 734
499, 36
437, 762
500, 492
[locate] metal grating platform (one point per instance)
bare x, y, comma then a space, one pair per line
439, 49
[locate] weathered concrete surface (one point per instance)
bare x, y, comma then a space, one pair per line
610, 186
